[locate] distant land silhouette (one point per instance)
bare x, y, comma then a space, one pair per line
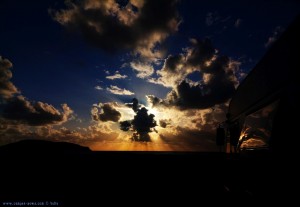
68, 173
42, 146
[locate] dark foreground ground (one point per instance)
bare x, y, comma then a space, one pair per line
70, 175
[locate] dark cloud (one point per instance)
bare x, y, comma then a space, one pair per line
238, 23
153, 100
125, 125
188, 139
177, 67
7, 88
218, 74
276, 33
105, 112
21, 110
217, 87
199, 53
172, 62
164, 123
211, 18
141, 125
111, 25
18, 110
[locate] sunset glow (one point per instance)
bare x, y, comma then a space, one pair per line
128, 75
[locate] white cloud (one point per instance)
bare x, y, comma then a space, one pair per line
119, 91
117, 75
144, 70
98, 88
7, 88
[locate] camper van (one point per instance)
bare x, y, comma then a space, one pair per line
263, 114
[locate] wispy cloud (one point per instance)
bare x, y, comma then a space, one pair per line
98, 88
143, 70
117, 75
211, 18
238, 23
277, 32
119, 91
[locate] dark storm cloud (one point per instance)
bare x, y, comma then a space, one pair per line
7, 88
111, 25
105, 112
20, 110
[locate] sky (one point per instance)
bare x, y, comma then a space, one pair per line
135, 75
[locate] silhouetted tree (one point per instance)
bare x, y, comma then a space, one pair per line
142, 123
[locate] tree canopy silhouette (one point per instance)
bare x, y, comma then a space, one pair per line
142, 123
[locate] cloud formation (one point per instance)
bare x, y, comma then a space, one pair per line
217, 79
277, 32
119, 91
98, 88
18, 110
35, 113
211, 18
115, 25
117, 75
105, 112
177, 67
238, 23
143, 70
7, 88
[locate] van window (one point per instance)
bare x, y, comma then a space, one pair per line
257, 128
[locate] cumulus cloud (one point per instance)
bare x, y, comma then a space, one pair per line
18, 110
89, 136
7, 88
177, 67
117, 75
218, 77
277, 32
113, 25
143, 70
119, 91
105, 112
35, 113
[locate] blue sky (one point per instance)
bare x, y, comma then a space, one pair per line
56, 63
